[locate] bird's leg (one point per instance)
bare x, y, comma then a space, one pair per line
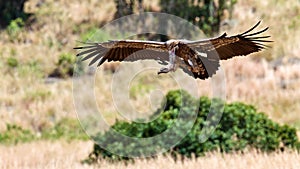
172, 62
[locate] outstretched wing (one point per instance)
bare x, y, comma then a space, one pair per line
227, 47
202, 57
129, 50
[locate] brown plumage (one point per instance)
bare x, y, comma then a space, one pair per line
199, 59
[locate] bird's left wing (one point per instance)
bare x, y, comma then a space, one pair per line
201, 58
225, 47
123, 50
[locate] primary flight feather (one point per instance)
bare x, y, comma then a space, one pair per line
199, 59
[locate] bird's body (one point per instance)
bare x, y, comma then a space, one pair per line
197, 58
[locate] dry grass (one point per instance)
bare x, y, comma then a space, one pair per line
30, 102
44, 154
251, 160
273, 92
281, 16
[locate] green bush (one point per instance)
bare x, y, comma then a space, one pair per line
124, 8
66, 128
66, 66
12, 62
206, 14
15, 134
241, 127
14, 28
10, 10
31, 68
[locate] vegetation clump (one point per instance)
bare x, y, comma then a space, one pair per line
14, 28
11, 10
12, 62
240, 128
66, 128
15, 134
206, 14
67, 66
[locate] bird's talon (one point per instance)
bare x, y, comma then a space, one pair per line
163, 70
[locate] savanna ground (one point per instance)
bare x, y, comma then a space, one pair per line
269, 80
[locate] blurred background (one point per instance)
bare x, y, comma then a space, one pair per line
39, 125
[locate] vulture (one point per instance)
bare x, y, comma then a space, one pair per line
200, 58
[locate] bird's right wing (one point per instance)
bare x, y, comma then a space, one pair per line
123, 50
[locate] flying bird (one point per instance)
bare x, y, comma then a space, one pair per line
200, 59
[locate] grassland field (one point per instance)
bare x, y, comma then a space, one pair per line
31, 103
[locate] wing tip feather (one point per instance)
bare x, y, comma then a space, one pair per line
252, 28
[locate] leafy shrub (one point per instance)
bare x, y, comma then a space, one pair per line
123, 8
37, 95
65, 66
14, 28
240, 128
12, 62
66, 128
30, 68
10, 10
15, 134
206, 14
